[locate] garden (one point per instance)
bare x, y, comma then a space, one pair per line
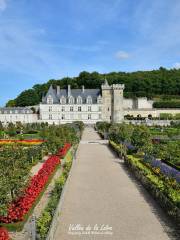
20, 188
155, 162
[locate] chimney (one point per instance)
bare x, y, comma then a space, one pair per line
69, 90
58, 90
82, 88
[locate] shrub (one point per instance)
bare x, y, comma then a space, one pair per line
167, 104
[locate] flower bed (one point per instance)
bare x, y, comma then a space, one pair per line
62, 151
19, 208
49, 215
23, 142
167, 196
4, 235
166, 170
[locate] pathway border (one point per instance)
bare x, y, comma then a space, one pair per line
53, 226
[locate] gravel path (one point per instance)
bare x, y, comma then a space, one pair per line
102, 196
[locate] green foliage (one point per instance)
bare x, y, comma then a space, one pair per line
167, 104
177, 116
11, 103
141, 138
119, 148
168, 151
121, 132
138, 84
15, 164
103, 127
165, 116
27, 98
1, 126
44, 221
160, 183
56, 136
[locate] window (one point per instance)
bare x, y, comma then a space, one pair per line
63, 116
71, 100
79, 109
89, 116
50, 109
89, 100
63, 100
99, 99
89, 108
99, 116
100, 109
50, 117
79, 100
49, 100
71, 109
63, 109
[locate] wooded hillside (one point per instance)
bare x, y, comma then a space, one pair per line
162, 83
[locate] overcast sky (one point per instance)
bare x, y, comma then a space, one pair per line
43, 39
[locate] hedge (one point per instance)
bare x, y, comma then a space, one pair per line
45, 220
166, 104
167, 196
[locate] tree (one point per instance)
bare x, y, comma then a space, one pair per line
27, 98
141, 138
11, 103
160, 83
14, 173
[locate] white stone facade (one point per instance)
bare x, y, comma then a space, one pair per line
60, 106
17, 114
66, 113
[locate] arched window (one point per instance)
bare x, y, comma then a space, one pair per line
49, 100
63, 100
99, 99
71, 100
89, 100
79, 100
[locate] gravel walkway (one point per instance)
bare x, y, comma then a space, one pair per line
103, 201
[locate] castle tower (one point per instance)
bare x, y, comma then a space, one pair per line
117, 103
112, 97
106, 100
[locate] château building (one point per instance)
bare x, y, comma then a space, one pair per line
60, 106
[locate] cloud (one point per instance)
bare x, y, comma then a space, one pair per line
122, 55
3, 5
177, 65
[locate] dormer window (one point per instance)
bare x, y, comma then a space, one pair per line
71, 100
79, 100
49, 100
89, 100
99, 99
63, 100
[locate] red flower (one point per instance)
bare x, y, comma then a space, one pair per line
19, 208
4, 235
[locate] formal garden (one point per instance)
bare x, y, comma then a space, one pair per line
154, 160
30, 157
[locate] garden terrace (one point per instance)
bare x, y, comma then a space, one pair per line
158, 160
19, 191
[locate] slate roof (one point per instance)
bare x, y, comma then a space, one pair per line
94, 93
15, 110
